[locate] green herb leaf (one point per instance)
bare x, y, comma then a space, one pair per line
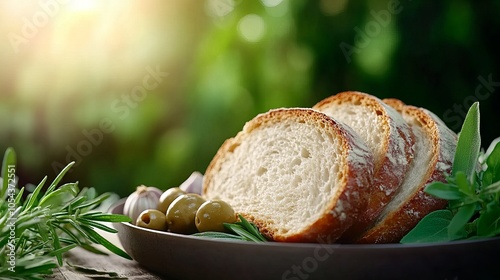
93, 249
52, 223
94, 236
492, 189
33, 197
70, 233
19, 196
469, 144
59, 177
456, 228
98, 225
463, 183
473, 191
60, 197
432, 228
241, 231
113, 218
57, 247
33, 267
488, 224
94, 202
492, 172
94, 273
9, 159
62, 250
252, 228
218, 235
444, 191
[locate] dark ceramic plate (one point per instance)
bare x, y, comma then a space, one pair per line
186, 257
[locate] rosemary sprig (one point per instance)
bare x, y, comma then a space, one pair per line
243, 230
35, 232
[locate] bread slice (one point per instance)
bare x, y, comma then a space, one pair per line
388, 137
296, 173
435, 147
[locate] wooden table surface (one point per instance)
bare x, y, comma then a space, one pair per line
81, 264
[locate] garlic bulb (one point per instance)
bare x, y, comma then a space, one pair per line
193, 184
142, 199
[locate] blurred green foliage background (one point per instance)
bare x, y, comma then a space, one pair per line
145, 92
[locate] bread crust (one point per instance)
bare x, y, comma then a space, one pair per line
394, 225
351, 195
389, 172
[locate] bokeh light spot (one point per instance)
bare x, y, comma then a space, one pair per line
252, 28
374, 56
279, 10
219, 8
271, 3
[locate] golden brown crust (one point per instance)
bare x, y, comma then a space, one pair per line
351, 195
398, 141
401, 220
395, 103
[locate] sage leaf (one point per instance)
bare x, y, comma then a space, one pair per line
444, 191
492, 172
492, 189
432, 228
488, 224
463, 184
456, 228
472, 191
469, 144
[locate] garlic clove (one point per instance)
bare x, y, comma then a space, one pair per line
193, 184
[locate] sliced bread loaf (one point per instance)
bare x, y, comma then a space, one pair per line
434, 150
296, 173
389, 139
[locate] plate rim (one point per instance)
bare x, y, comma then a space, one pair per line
304, 245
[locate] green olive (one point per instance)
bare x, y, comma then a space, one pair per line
167, 197
152, 219
182, 211
212, 215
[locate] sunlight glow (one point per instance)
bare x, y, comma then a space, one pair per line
84, 5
